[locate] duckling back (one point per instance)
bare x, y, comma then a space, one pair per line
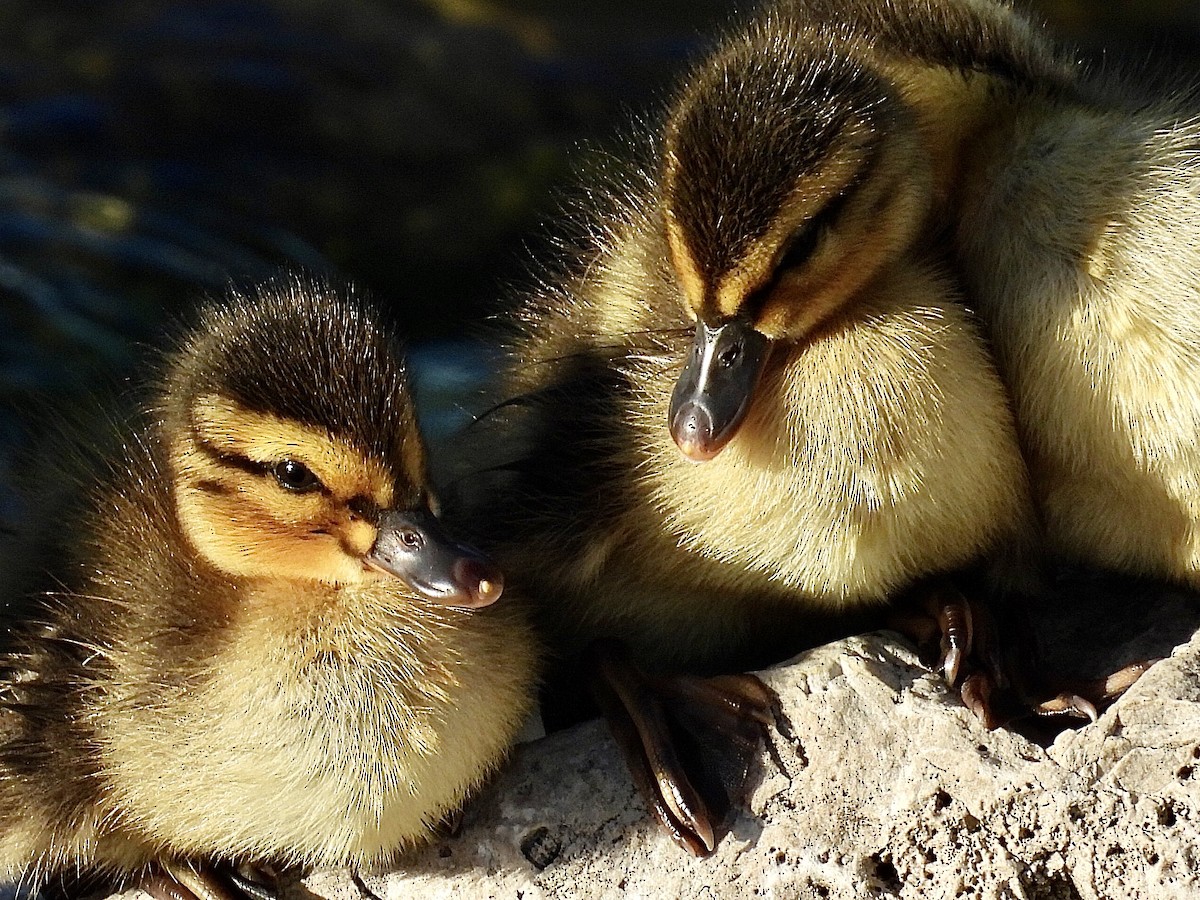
224, 671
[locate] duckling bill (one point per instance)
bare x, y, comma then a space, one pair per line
716, 387
261, 645
412, 546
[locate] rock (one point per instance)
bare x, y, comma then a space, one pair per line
877, 783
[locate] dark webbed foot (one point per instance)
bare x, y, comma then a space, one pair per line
938, 614
970, 655
1100, 631
1085, 698
688, 741
176, 880
992, 657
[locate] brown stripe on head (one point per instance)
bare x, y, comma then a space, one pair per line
760, 138
691, 280
309, 353
290, 428
816, 197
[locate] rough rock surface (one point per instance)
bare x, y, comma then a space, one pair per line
877, 783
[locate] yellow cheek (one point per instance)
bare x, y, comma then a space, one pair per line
799, 304
357, 538
254, 534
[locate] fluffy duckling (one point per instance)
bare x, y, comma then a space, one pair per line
749, 409
1069, 198
876, 451
259, 646
1080, 245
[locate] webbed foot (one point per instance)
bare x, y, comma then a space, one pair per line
995, 665
178, 880
688, 741
971, 657
1084, 699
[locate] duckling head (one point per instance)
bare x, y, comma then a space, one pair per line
791, 174
295, 452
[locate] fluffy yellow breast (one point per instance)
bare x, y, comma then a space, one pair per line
882, 450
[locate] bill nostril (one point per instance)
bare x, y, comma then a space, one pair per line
692, 420
692, 430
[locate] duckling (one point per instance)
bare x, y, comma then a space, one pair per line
259, 645
1068, 199
1080, 247
748, 411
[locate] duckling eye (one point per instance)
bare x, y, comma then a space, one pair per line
295, 476
411, 539
804, 242
729, 356
802, 247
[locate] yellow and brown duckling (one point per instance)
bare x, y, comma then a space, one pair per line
259, 646
748, 407
1068, 197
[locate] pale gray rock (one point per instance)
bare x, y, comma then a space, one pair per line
877, 783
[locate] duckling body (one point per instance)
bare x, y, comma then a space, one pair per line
861, 442
1069, 198
879, 455
1082, 250
230, 667
876, 453
748, 415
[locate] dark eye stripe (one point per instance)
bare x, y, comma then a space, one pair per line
234, 460
254, 467
210, 486
804, 241
801, 246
